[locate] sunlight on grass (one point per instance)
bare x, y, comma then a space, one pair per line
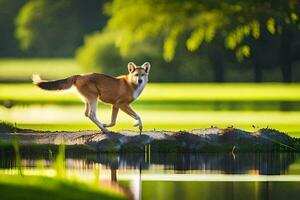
168, 92
72, 118
52, 182
35, 187
226, 91
22, 69
163, 106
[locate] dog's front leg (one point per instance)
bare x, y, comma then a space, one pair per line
127, 109
114, 114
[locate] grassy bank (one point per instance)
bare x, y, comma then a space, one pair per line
37, 187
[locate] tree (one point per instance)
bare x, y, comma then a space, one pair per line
201, 21
57, 27
8, 12
280, 19
99, 53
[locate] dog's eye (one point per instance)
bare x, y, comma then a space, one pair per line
136, 75
143, 74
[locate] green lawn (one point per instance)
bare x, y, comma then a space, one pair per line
176, 106
167, 92
71, 118
39, 187
22, 69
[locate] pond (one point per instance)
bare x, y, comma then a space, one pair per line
187, 176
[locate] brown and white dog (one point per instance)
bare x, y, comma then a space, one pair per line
118, 91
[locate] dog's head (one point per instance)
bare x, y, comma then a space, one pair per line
139, 74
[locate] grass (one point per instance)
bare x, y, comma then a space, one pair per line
175, 93
50, 183
172, 106
7, 127
291, 129
37, 187
72, 118
163, 106
223, 92
13, 70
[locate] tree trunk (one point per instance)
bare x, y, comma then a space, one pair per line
257, 66
257, 59
216, 56
286, 54
218, 66
257, 73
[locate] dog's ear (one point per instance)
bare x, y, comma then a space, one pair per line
146, 66
131, 67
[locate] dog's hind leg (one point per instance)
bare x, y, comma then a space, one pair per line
114, 114
92, 105
87, 108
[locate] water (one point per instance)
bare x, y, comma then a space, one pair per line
188, 176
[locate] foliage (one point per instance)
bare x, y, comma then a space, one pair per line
170, 19
100, 53
8, 11
199, 20
55, 28
267, 31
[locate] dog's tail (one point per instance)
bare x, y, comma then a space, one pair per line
61, 84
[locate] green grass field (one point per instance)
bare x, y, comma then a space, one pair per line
163, 106
172, 93
13, 70
40, 187
169, 106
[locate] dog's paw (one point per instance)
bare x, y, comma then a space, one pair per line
104, 130
109, 125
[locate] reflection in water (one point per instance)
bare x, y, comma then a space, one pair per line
214, 163
242, 163
190, 176
221, 190
262, 163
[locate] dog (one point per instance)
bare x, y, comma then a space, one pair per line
119, 91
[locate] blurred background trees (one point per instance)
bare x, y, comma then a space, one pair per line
8, 11
56, 27
198, 41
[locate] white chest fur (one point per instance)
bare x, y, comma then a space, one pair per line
138, 90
